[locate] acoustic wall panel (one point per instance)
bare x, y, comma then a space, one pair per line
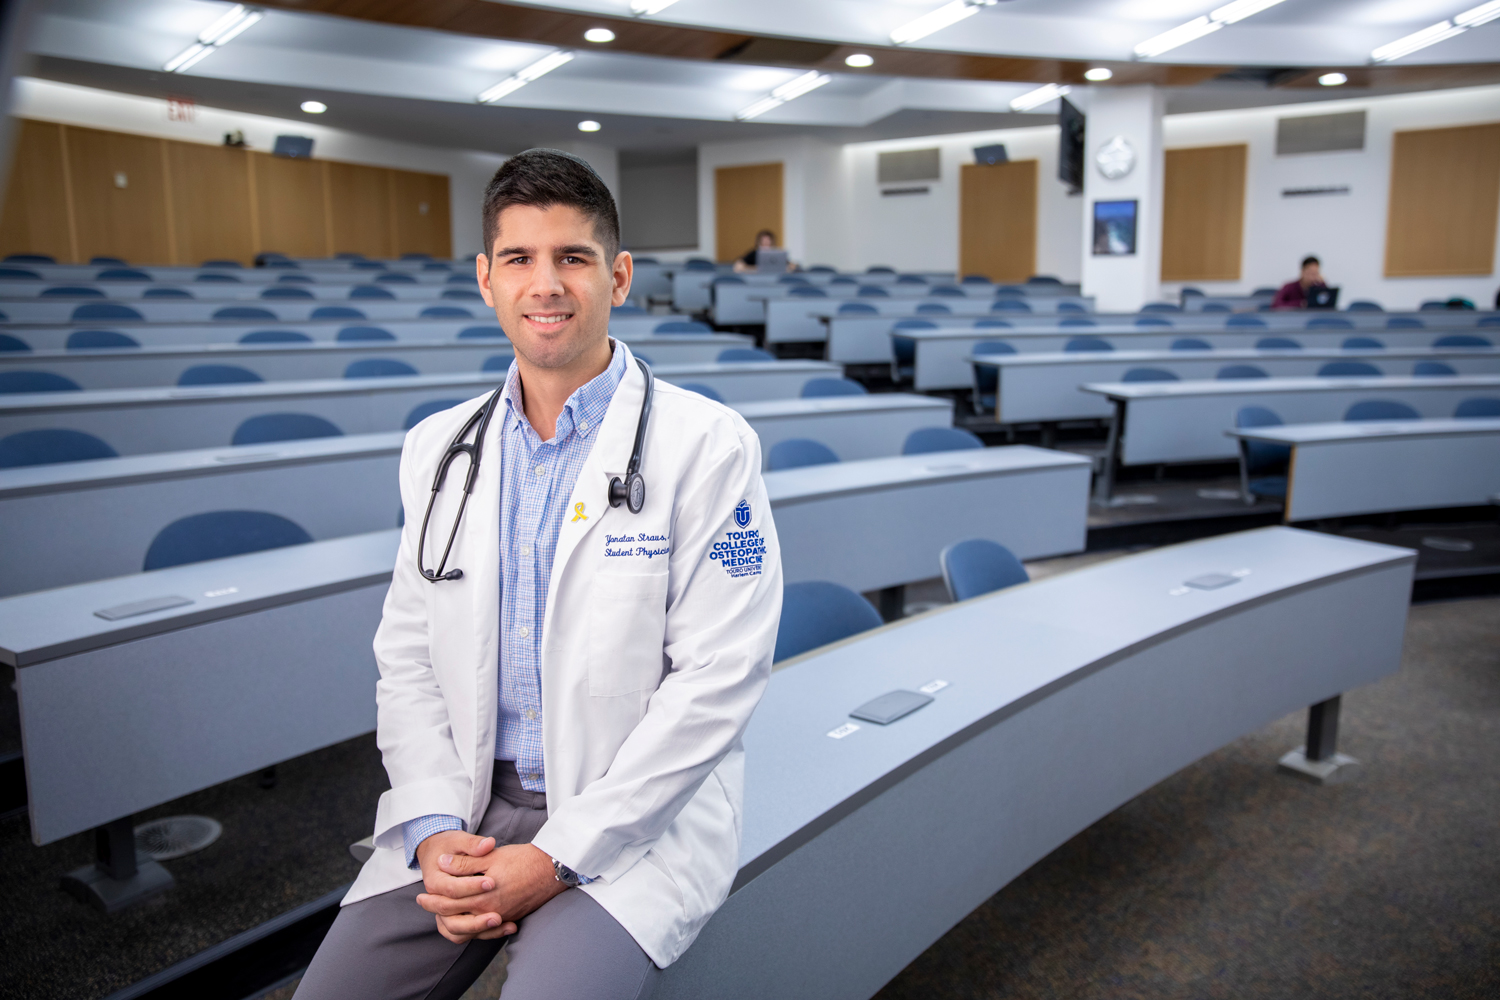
997, 220
746, 200
1203, 213
37, 216
1445, 195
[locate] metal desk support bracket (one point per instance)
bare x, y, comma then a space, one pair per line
1104, 485
893, 602
119, 878
1319, 760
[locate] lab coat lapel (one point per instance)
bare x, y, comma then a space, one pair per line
481, 552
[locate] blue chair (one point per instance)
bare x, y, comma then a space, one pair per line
975, 279
50, 446
1365, 305
1148, 375
106, 310
698, 264
986, 377
348, 256
167, 293
396, 278
368, 265
1075, 323
1381, 409
285, 292
1479, 406
1263, 465
1489, 321
626, 310
1152, 321
792, 279
911, 279
460, 279
422, 411
295, 279
217, 375
501, 363
857, 308
988, 323
1191, 344
100, 259
1009, 290
283, 427
946, 291
1043, 279
1188, 290
437, 265
1329, 323
122, 274
933, 308
37, 382
815, 388
71, 292
1070, 307
1215, 307
815, 269
376, 292
994, 347
1432, 368
1161, 307
703, 390
244, 313
807, 292
728, 279
1349, 369
925, 440
1241, 371
19, 274
1462, 340
337, 312
795, 453
29, 258
378, 368
1277, 344
873, 292
212, 276
1404, 323
1088, 344
733, 354
445, 312
9, 343
1432, 305
219, 534
1239, 320
1362, 344
816, 613
682, 326
872, 269
979, 566
365, 333
275, 337
843, 279
90, 340
489, 332
1010, 305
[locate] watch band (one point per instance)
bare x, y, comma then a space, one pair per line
565, 875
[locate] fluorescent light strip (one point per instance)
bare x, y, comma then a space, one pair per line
521, 78
1230, 13
1483, 14
1038, 97
235, 20
788, 91
1440, 32
934, 21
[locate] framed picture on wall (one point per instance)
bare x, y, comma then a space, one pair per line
1114, 228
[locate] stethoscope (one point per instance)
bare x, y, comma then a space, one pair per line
631, 492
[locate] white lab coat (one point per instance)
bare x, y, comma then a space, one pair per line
651, 663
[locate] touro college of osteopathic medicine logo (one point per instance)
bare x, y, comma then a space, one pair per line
742, 514
741, 552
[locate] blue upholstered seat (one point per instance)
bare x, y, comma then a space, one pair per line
359, 333
929, 439
1381, 409
337, 312
733, 354
796, 453
1265, 463
818, 387
217, 375
219, 534
86, 340
1148, 375
283, 427
28, 381
422, 411
275, 337
1241, 371
816, 613
707, 391
979, 566
49, 446
378, 368
1349, 369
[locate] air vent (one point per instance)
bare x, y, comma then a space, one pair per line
908, 165
1320, 133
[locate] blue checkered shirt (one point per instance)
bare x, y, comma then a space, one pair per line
537, 479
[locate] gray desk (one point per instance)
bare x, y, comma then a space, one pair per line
787, 318
1066, 698
1043, 386
882, 522
1367, 467
80, 521
407, 304
855, 427
138, 421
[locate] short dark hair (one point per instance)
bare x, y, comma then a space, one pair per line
765, 232
543, 178
1310, 259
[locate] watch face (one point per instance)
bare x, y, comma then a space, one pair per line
1115, 158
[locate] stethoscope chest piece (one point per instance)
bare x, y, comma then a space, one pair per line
631, 492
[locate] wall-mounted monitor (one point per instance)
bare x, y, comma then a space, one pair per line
991, 155
295, 147
1070, 146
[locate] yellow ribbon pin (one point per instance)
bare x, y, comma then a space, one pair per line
578, 514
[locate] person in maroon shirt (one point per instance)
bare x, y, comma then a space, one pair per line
1293, 294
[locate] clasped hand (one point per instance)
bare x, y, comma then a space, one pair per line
478, 890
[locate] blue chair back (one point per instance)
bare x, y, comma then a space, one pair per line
1191, 344
1277, 344
979, 566
1043, 279
796, 453
214, 277
816, 613
374, 292
337, 312
733, 354
914, 324
50, 446
275, 337
994, 347
422, 411
1010, 305
501, 363
988, 323
1088, 344
102, 259
1262, 456
445, 312
167, 293
933, 308
489, 332
703, 390
873, 292
36, 382
872, 269
1241, 320
107, 310
217, 375
1489, 321
699, 264
1216, 307
728, 279
1075, 322
29, 258
122, 274
1404, 323
857, 308
1362, 344
244, 312
808, 292
283, 427
71, 292
682, 326
365, 333
1241, 371
396, 278
818, 387
627, 310
911, 279
1432, 368
975, 279
219, 534
378, 368
1329, 323
94, 340
1349, 369
843, 279
1161, 307
1365, 305
1381, 409
1478, 406
1152, 321
1462, 340
947, 291
9, 343
1148, 375
295, 279
19, 274
924, 440
285, 292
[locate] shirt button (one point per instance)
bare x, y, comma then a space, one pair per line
531, 714
583, 425
526, 550
524, 631
541, 469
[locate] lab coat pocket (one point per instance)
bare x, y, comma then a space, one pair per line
627, 620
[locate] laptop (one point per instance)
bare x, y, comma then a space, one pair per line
1322, 297
771, 259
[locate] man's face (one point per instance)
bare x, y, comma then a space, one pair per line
765, 241
1311, 274
549, 283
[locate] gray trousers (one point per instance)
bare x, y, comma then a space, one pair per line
388, 948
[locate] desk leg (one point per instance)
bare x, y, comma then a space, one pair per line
1318, 759
119, 878
1106, 484
1049, 434
893, 602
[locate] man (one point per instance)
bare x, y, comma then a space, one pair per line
562, 694
764, 240
1295, 294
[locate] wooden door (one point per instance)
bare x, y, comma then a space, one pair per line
997, 220
119, 190
746, 200
359, 209
420, 215
1203, 213
37, 216
290, 204
209, 188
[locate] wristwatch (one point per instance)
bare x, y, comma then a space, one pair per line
565, 875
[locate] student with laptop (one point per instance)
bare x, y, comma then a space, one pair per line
1308, 291
764, 256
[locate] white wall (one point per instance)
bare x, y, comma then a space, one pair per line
1346, 231
1127, 282
812, 221
468, 170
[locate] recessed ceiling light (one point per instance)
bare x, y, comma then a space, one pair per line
1333, 79
588, 126
1098, 74
314, 107
859, 60
598, 35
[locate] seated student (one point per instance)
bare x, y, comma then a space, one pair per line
764, 240
1294, 294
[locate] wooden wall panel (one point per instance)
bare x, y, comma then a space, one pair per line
290, 206
1444, 200
35, 218
420, 216
210, 202
359, 209
997, 220
111, 220
1203, 213
746, 200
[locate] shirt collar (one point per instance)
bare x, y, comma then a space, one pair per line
586, 406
